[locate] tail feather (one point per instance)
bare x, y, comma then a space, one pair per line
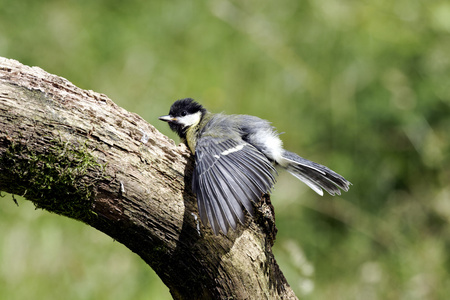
316, 176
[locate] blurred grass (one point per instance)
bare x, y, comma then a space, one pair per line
360, 86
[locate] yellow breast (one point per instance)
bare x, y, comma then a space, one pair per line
191, 137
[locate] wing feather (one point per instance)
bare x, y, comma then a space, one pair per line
229, 174
232, 188
242, 189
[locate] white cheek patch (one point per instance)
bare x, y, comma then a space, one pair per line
190, 120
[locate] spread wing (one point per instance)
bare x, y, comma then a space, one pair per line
228, 176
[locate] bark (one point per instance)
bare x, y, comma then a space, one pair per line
76, 153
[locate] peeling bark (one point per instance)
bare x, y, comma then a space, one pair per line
76, 153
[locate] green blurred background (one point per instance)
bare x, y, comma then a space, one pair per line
360, 86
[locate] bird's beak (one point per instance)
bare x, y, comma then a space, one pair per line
167, 118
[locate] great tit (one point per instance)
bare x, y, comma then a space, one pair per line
235, 157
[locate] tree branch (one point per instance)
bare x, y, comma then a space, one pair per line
76, 153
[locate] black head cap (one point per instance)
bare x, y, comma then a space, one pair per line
183, 107
180, 109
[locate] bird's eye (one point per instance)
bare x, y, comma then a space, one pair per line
183, 113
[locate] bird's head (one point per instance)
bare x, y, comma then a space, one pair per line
184, 114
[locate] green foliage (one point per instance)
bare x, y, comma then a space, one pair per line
360, 86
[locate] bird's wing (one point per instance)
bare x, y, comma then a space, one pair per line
229, 174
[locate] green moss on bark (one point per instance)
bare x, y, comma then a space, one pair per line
58, 179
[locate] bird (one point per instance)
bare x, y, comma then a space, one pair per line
235, 162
